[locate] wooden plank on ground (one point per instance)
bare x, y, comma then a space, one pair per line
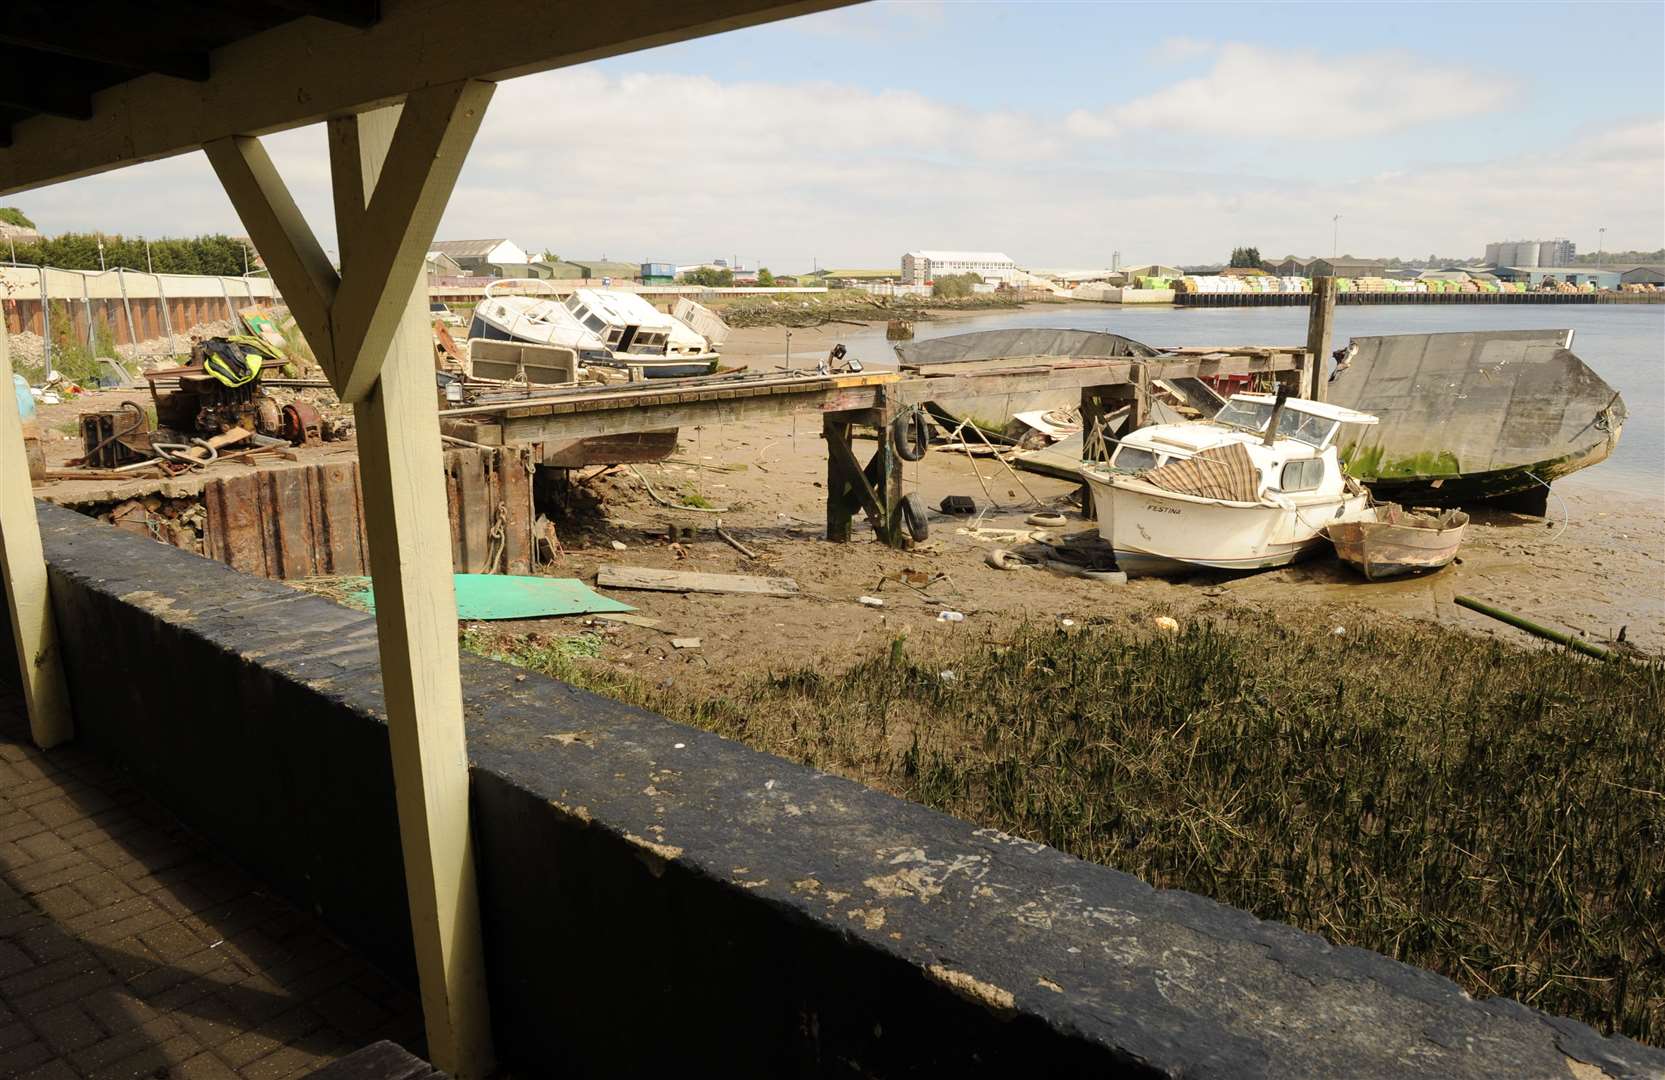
684, 581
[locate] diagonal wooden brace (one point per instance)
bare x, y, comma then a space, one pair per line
349, 318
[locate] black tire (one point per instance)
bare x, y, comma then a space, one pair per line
913, 516
909, 435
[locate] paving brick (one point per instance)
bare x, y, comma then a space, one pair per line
54, 812
67, 1028
125, 1045
153, 1062
350, 1010
204, 1067
281, 1063
171, 941
103, 889
72, 989
13, 960
64, 902
16, 987
20, 1059
52, 1070
120, 1011
14, 1035
246, 1047
44, 845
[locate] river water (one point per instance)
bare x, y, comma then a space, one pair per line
1623, 343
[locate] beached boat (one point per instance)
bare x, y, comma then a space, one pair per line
1472, 416
963, 353
605, 327
1251, 488
1388, 541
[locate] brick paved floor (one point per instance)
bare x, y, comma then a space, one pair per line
126, 950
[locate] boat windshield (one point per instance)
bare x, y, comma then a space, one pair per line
1253, 416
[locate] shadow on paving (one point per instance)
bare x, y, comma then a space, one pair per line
126, 951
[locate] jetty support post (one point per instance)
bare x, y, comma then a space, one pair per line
1097, 403
875, 488
1320, 328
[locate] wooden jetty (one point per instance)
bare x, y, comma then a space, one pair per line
845, 404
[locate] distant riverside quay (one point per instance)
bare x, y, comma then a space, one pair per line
1304, 299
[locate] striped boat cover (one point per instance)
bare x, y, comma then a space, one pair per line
1220, 472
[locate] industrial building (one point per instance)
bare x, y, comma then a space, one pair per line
1526, 253
920, 267
1643, 275
486, 258
1533, 276
1345, 267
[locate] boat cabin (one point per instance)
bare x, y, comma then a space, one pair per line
1301, 459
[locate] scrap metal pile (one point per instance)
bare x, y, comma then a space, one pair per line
220, 406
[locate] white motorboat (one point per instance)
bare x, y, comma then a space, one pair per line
1251, 488
605, 327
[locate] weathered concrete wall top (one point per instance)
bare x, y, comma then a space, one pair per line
657, 897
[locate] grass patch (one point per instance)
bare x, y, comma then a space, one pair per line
1491, 813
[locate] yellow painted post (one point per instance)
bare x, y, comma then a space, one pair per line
407, 532
23, 568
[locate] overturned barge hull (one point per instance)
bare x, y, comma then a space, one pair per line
1467, 417
962, 353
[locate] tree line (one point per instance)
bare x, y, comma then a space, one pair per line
218, 254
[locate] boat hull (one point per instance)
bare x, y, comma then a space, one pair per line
1466, 417
1154, 533
1381, 550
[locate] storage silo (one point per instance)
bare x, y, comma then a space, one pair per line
1526, 254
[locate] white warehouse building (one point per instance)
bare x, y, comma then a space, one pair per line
919, 267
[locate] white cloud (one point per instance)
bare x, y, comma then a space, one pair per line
1178, 50
1253, 92
678, 167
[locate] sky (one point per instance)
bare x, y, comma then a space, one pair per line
1062, 133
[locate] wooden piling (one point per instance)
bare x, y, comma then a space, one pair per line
1320, 325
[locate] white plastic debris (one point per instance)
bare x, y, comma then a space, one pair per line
950, 616
617, 546
870, 601
1338, 631
948, 676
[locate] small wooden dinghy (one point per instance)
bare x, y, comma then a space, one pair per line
1388, 541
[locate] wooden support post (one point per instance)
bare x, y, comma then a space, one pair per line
23, 568
1320, 324
840, 503
884, 472
874, 488
407, 533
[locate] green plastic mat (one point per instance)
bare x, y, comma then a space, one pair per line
511, 596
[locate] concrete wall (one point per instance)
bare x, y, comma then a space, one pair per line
134, 306
660, 901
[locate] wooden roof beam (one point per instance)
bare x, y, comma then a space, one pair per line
60, 98
120, 51
309, 70
359, 13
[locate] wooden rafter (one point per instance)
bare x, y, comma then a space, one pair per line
349, 317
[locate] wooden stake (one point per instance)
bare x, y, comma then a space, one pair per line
407, 533
23, 568
1320, 324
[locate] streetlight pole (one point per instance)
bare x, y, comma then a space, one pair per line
1601, 246
1335, 236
